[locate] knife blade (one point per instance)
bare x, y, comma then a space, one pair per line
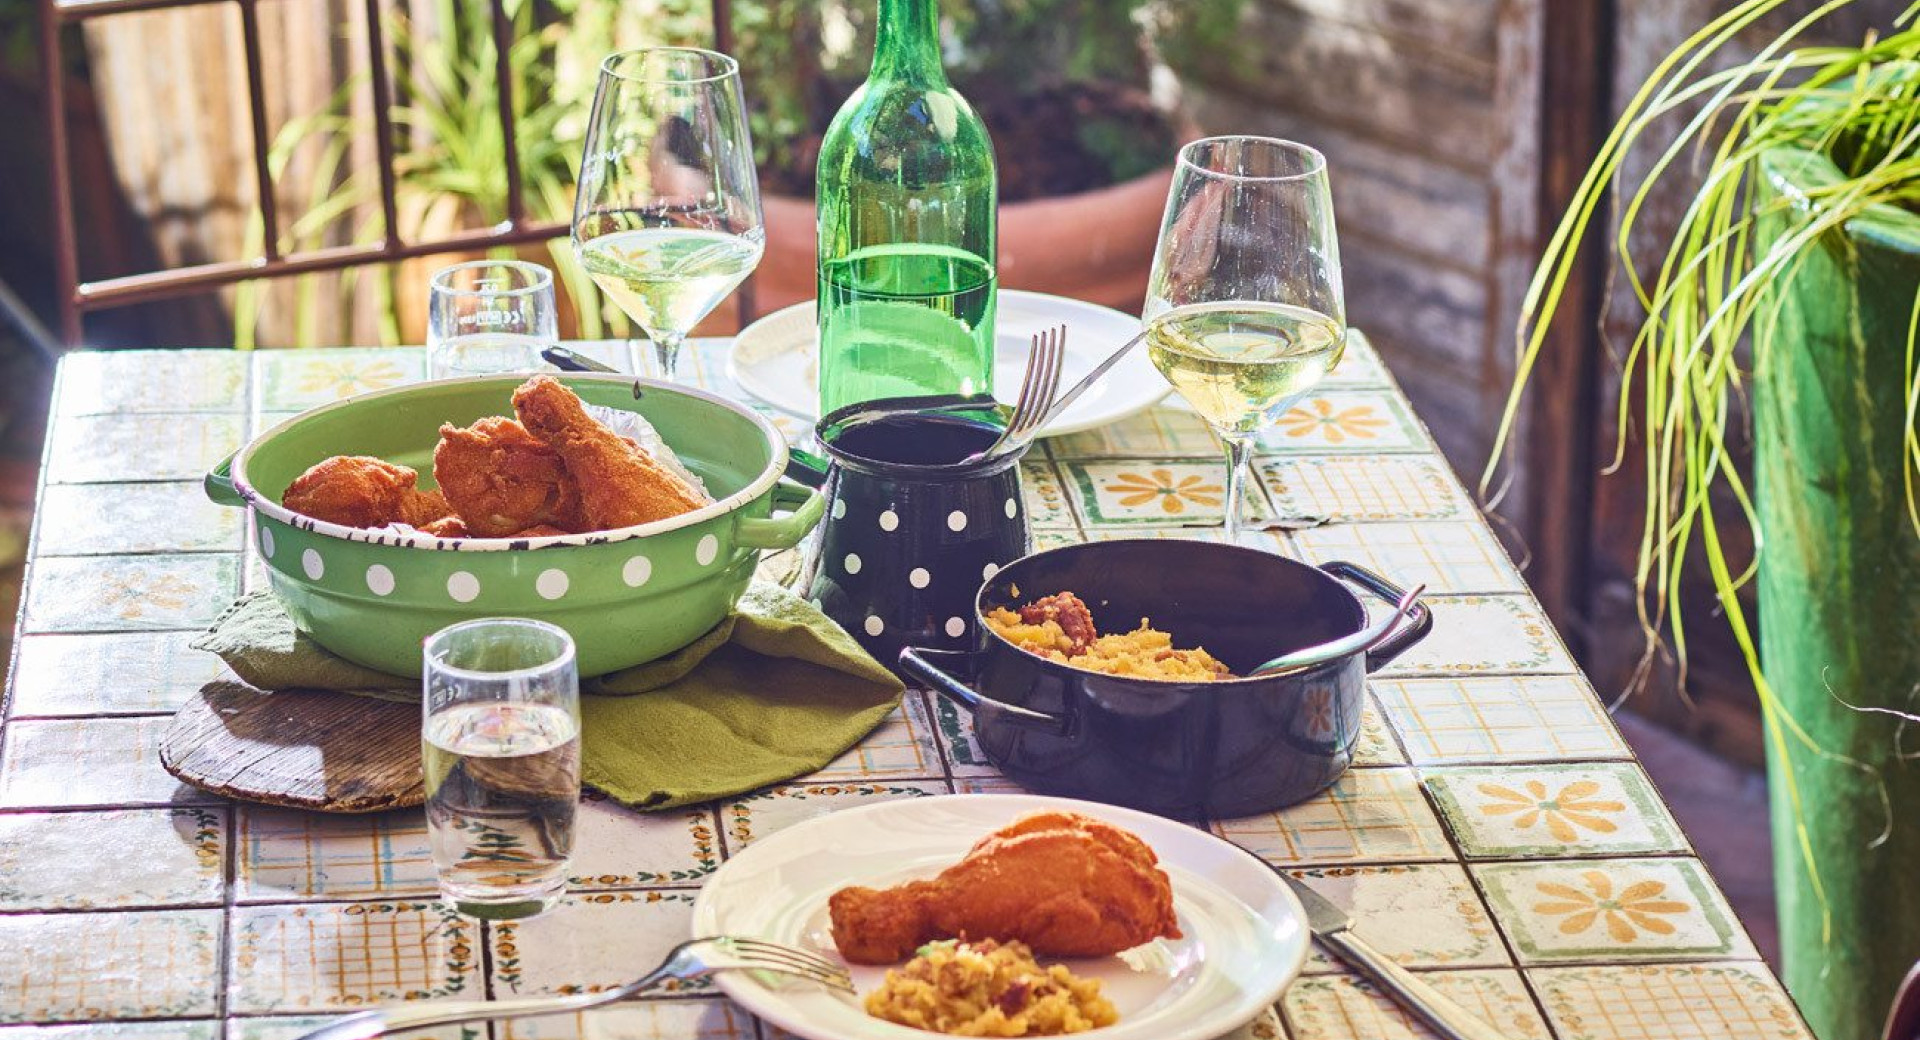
1334, 928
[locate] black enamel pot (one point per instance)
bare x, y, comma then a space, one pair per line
909, 535
1225, 748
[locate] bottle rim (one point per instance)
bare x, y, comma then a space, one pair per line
1314, 165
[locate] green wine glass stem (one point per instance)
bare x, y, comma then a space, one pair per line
1239, 465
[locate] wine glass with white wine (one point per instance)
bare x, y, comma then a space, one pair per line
1244, 310
667, 218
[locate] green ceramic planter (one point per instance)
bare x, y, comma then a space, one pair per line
627, 596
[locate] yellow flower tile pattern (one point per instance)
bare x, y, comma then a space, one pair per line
139, 964
1340, 422
1600, 808
1149, 492
1611, 910
295, 380
1345, 1007
1667, 1002
129, 593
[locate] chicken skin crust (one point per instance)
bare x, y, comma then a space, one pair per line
502, 480
1065, 884
361, 491
620, 485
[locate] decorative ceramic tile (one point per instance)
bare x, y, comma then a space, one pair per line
102, 449
1156, 433
1445, 557
1376, 746
129, 593
902, 747
296, 380
127, 857
1340, 422
1611, 910
1154, 492
1667, 1002
287, 854
1345, 1007
1506, 719
756, 816
88, 762
293, 1027
1423, 916
1044, 496
1053, 538
591, 942
615, 847
104, 519
1370, 815
142, 964
1599, 808
963, 753
1365, 487
165, 1029
98, 382
119, 674
987, 785
1491, 634
1359, 364
638, 1020
324, 956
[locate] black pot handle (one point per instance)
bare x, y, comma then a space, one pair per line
1418, 622
914, 661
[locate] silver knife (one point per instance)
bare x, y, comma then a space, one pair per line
1334, 929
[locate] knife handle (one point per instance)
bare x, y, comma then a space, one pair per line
1429, 1005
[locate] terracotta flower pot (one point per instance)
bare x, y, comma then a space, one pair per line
1095, 246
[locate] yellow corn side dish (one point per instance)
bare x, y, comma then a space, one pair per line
989, 989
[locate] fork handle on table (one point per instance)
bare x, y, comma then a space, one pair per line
1434, 1009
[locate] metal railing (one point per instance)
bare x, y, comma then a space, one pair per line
78, 298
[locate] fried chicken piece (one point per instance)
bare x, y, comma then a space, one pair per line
362, 491
1065, 884
1070, 613
620, 485
502, 480
539, 531
445, 527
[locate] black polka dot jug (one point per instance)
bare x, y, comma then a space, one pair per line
910, 535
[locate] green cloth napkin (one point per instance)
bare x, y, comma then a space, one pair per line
773, 692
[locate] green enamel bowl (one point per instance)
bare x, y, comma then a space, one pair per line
627, 596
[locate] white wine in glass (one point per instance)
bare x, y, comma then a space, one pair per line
1244, 308
667, 219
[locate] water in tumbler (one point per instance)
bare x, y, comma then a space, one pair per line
502, 783
486, 354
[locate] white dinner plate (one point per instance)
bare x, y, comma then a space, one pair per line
776, 359
1244, 935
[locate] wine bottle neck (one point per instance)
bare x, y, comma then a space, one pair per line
907, 43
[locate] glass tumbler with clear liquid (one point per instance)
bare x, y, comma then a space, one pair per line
501, 750
489, 317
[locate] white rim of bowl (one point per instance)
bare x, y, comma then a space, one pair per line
266, 506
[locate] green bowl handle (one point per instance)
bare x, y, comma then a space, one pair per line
804, 507
219, 484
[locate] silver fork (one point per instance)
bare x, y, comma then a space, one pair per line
1045, 360
693, 959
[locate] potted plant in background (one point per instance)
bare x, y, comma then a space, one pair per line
1084, 148
1793, 282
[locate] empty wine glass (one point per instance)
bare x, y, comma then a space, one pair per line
1244, 307
667, 218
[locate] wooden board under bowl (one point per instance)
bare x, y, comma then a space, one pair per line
304, 749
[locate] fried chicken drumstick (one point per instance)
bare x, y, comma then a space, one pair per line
502, 480
361, 491
620, 485
1064, 884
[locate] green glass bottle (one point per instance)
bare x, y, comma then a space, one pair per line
906, 202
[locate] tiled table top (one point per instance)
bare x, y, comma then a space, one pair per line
1495, 834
